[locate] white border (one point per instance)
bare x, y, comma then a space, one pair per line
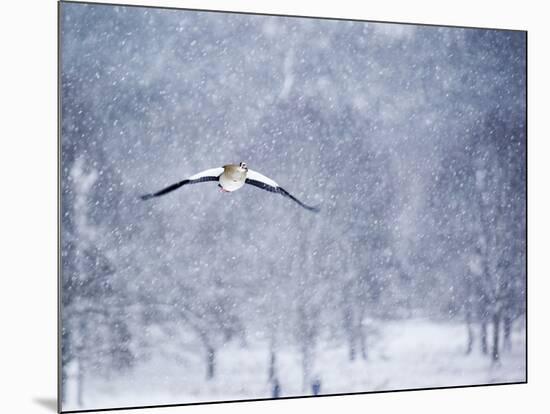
28, 204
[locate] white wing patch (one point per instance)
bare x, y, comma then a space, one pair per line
253, 175
212, 172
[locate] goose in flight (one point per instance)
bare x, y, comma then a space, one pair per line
230, 178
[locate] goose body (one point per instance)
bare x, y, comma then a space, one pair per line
230, 178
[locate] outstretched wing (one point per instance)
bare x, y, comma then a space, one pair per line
208, 175
265, 183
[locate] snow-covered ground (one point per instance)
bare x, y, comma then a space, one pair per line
404, 354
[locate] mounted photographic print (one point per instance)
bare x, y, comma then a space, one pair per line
262, 207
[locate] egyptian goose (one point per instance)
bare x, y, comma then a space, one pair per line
230, 178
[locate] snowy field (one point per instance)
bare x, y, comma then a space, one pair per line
405, 354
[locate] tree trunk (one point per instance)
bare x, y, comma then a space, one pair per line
210, 362
306, 366
363, 343
496, 336
63, 389
65, 360
81, 367
272, 371
350, 328
483, 337
307, 321
507, 344
80, 383
351, 346
362, 333
470, 343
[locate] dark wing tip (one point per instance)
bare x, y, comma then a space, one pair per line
146, 197
282, 191
315, 209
